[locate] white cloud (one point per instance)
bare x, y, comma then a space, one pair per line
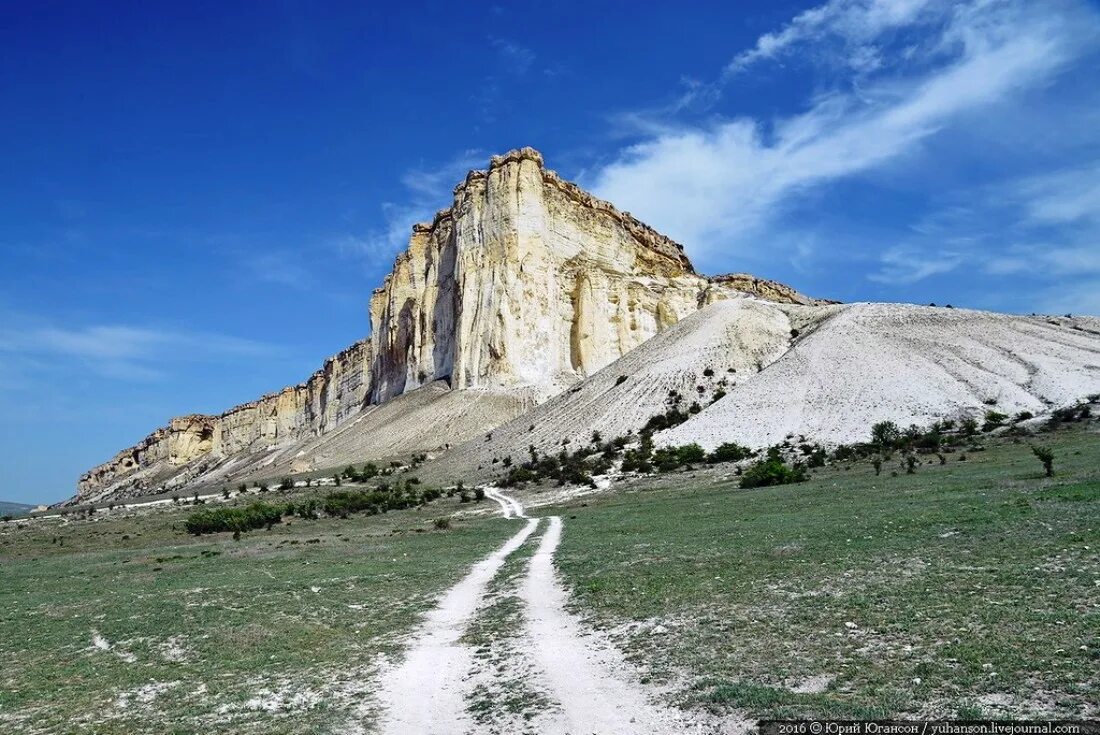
1078, 298
516, 58
714, 186
120, 351
908, 265
854, 24
428, 190
1070, 195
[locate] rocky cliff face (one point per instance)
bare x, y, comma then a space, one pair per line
524, 283
525, 280
324, 401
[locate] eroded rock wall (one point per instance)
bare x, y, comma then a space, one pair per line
525, 280
329, 397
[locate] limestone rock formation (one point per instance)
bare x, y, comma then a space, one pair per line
525, 285
525, 280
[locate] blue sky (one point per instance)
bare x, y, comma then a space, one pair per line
199, 197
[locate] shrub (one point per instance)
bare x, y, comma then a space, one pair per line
1023, 416
910, 464
479, 494
993, 420
885, 434
969, 426
286, 484
772, 471
877, 464
256, 515
1046, 456
442, 524
729, 452
620, 380
817, 458
518, 476
667, 459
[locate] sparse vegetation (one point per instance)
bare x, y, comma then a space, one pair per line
1046, 456
772, 470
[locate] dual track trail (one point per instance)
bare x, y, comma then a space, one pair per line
425, 693
590, 686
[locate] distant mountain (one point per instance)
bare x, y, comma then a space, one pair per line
14, 509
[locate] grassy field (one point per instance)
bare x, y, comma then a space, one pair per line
970, 588
127, 625
967, 589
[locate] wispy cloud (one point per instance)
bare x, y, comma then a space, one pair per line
715, 186
516, 58
1033, 229
281, 268
427, 190
119, 351
1069, 195
908, 265
847, 31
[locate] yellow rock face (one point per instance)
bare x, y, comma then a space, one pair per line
525, 280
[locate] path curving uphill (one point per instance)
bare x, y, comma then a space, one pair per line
590, 685
424, 694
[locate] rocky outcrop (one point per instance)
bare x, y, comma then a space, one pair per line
330, 396
526, 283
528, 280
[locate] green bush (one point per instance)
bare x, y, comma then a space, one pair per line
993, 420
667, 459
772, 471
729, 452
885, 434
256, 515
1046, 456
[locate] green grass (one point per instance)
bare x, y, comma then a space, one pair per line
292, 619
965, 583
971, 588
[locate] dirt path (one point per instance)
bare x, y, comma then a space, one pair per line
590, 685
589, 679
425, 693
509, 506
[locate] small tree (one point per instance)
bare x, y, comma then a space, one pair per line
877, 464
885, 434
910, 464
1046, 456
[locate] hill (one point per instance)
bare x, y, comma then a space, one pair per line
14, 509
755, 373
